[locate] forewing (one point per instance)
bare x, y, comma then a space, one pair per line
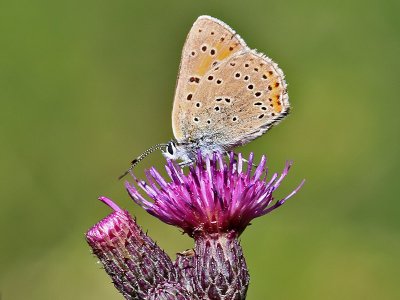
237, 101
209, 42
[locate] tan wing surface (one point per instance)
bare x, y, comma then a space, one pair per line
237, 101
209, 42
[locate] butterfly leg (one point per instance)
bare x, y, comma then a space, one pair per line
185, 163
243, 159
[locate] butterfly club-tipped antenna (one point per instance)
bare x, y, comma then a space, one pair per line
141, 157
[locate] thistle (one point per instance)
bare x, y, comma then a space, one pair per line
213, 203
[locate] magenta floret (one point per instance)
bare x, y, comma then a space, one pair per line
216, 195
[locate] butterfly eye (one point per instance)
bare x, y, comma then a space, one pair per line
170, 149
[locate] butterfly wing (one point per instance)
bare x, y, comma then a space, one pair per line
209, 42
237, 101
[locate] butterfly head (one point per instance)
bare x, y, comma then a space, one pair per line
174, 150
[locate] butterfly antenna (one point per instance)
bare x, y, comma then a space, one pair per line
141, 157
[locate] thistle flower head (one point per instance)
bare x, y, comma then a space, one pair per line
215, 196
131, 258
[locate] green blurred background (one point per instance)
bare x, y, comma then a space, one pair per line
87, 85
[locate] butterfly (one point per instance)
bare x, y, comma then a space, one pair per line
226, 94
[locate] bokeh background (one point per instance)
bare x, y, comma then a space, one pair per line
87, 85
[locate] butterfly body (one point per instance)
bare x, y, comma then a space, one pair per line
187, 152
227, 94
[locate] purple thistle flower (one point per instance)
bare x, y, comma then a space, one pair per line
213, 203
131, 258
214, 197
